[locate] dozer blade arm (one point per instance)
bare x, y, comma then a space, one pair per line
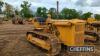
91, 36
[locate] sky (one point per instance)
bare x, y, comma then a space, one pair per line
80, 5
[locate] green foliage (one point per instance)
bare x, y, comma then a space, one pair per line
64, 14
86, 15
17, 12
69, 13
41, 12
26, 12
97, 16
44, 12
8, 10
38, 12
1, 5
52, 12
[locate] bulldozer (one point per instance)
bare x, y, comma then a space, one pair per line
50, 34
92, 30
30, 20
17, 20
40, 19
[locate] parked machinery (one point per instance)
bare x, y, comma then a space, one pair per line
50, 34
29, 20
17, 20
92, 30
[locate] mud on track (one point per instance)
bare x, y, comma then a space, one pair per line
14, 43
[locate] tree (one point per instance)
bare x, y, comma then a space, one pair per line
52, 12
17, 12
38, 12
44, 12
86, 15
8, 10
69, 13
97, 16
1, 5
26, 12
41, 12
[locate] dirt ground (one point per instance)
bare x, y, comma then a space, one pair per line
14, 43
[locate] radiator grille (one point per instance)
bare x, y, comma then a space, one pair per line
79, 38
79, 34
79, 28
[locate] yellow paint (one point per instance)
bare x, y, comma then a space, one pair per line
68, 34
38, 42
36, 24
71, 33
90, 20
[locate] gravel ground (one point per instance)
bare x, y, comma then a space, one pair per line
14, 43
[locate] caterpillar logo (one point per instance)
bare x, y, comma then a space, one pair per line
81, 48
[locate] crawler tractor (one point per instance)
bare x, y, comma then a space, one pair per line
92, 30
30, 20
50, 34
17, 20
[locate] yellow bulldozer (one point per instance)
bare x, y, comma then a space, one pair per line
92, 30
50, 34
29, 20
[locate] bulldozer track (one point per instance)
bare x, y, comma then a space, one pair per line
52, 40
13, 43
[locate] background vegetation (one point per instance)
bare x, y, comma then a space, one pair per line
26, 12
